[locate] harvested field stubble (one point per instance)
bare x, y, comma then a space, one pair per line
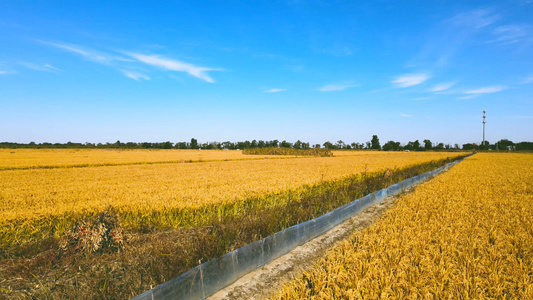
466, 234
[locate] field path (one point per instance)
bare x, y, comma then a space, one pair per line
266, 281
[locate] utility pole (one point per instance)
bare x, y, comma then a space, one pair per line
483, 143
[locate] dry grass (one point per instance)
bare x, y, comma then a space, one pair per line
466, 234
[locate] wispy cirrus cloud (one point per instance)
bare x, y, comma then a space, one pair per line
408, 80
468, 97
422, 98
127, 60
50, 67
44, 68
441, 87
446, 40
406, 115
476, 19
509, 34
175, 65
135, 75
336, 87
275, 90
527, 80
486, 90
5, 69
90, 54
470, 94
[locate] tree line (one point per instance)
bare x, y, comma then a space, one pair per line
373, 144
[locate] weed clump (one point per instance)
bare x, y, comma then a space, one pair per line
97, 234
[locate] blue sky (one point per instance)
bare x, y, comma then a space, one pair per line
101, 71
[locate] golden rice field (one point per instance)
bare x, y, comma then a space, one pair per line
34, 193
53, 158
466, 234
38, 202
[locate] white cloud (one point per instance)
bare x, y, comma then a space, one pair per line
408, 80
44, 68
441, 87
119, 62
468, 97
175, 65
422, 98
487, 90
6, 69
50, 67
295, 68
527, 80
88, 54
509, 34
405, 115
476, 19
135, 75
336, 87
275, 90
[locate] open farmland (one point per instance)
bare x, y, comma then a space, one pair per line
134, 190
57, 158
174, 214
466, 234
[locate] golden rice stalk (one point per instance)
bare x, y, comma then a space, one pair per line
466, 234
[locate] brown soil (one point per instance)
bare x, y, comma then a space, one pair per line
266, 281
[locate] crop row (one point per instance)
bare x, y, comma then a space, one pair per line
20, 159
39, 202
152, 256
466, 234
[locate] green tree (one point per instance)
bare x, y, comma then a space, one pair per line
416, 146
427, 145
375, 143
470, 146
194, 143
505, 144
329, 145
391, 146
285, 144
